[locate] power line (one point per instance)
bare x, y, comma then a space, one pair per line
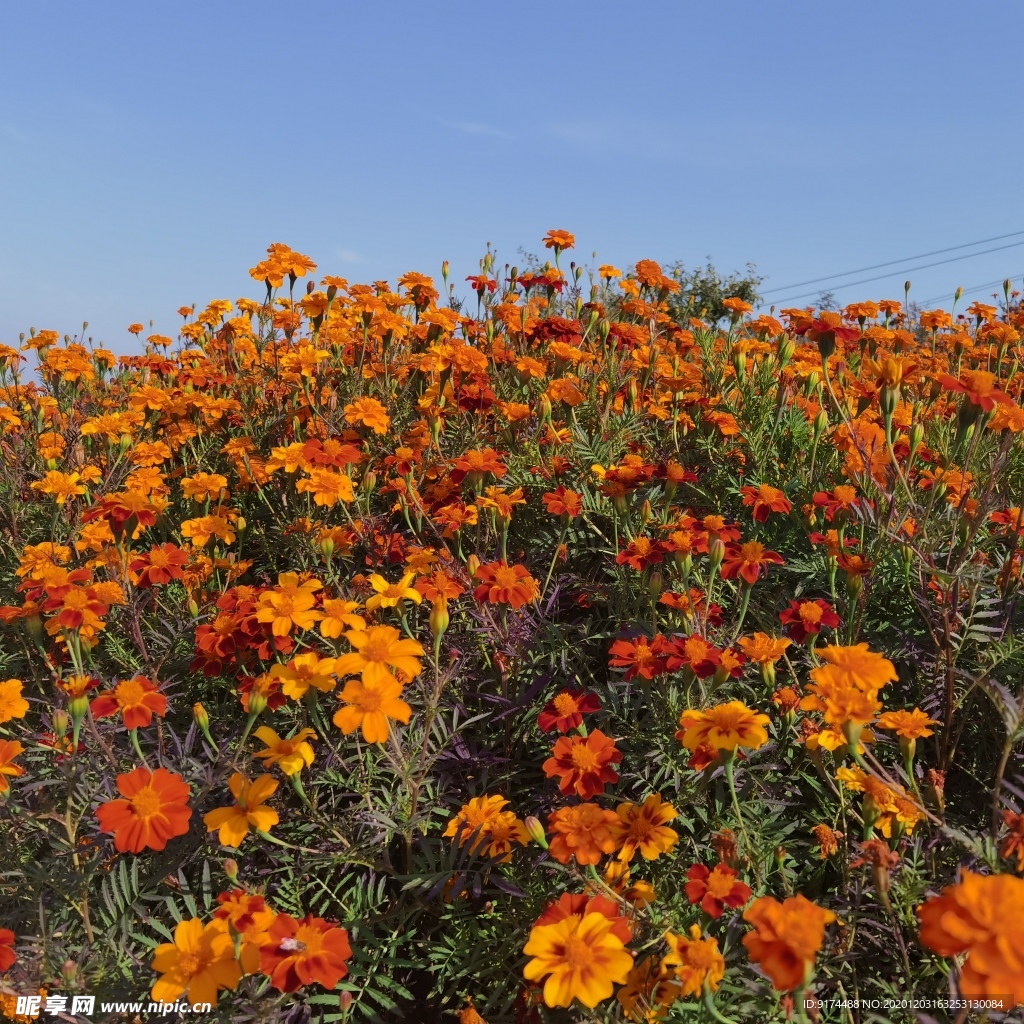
973, 288
891, 263
900, 273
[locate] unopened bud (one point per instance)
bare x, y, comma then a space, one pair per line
820, 423
439, 618
716, 552
60, 722
257, 704
536, 831
327, 547
345, 1002
646, 512
193, 608
231, 869
544, 408
202, 719
916, 437
634, 393
472, 565
654, 585
240, 524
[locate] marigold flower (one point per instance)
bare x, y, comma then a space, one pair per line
138, 699
643, 827
908, 725
983, 917
390, 595
827, 839
201, 529
564, 711
855, 666
583, 832
291, 754
248, 811
154, 809
695, 961
650, 989
638, 657
327, 487
558, 240
724, 727
339, 615
1013, 843
580, 957
12, 704
159, 565
204, 486
583, 764
368, 412
715, 889
786, 937
764, 500
369, 704
305, 671
60, 486
7, 955
9, 750
301, 952
747, 560
563, 502
289, 604
378, 650
250, 917
199, 963
807, 618
762, 649
505, 584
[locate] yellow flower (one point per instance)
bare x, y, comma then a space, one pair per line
249, 810
203, 486
289, 604
580, 957
390, 595
337, 615
61, 485
724, 727
304, 671
200, 961
369, 703
291, 754
378, 650
12, 704
643, 828
696, 962
327, 487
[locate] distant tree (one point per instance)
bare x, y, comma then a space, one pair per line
827, 300
703, 289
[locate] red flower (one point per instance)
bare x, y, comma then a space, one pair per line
301, 952
765, 500
159, 565
692, 652
747, 560
7, 956
562, 502
716, 889
565, 710
474, 464
639, 657
805, 618
137, 699
505, 584
583, 764
841, 499
154, 809
978, 386
641, 553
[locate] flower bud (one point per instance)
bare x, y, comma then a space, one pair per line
68, 970
786, 349
60, 722
345, 1002
327, 548
716, 552
240, 524
820, 423
472, 565
646, 512
439, 618
257, 703
231, 870
536, 831
193, 608
544, 408
202, 719
634, 394
34, 628
654, 585
916, 437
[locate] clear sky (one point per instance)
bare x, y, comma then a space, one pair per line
149, 152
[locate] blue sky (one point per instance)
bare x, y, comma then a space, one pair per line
150, 152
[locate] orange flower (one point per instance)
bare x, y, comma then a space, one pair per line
580, 957
378, 650
289, 604
564, 711
505, 584
558, 240
639, 657
1013, 844
764, 500
198, 963
154, 809
697, 962
327, 487
724, 727
562, 502
60, 485
643, 828
9, 750
250, 918
855, 666
369, 704
159, 565
305, 671
582, 831
982, 916
12, 704
978, 386
248, 811
827, 839
583, 764
370, 413
715, 889
786, 938
747, 560
649, 991
137, 699
908, 725
302, 952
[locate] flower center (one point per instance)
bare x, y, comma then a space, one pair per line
719, 884
583, 757
129, 693
375, 650
146, 803
188, 964
505, 577
290, 945
810, 613
565, 704
578, 955
369, 701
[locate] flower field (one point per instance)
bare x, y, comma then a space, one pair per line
553, 654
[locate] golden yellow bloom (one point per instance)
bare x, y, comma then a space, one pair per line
643, 828
248, 811
12, 704
200, 962
724, 727
390, 595
378, 650
60, 485
302, 672
291, 754
695, 961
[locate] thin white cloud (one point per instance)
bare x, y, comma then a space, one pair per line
348, 255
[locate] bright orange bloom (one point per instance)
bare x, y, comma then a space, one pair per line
198, 963
724, 727
369, 704
583, 764
154, 809
639, 657
765, 500
558, 240
60, 485
649, 991
643, 827
827, 839
203, 486
982, 916
378, 650
12, 704
562, 502
251, 918
909, 725
138, 699
9, 750
806, 618
368, 412
248, 811
854, 666
159, 565
978, 386
327, 487
786, 938
583, 832
490, 828
505, 584
580, 957
304, 671
760, 648
302, 952
747, 560
715, 889
696, 961
1013, 843
565, 710
289, 604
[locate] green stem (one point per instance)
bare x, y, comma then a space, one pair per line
709, 1005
